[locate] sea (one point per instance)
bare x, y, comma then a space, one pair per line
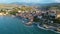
14, 25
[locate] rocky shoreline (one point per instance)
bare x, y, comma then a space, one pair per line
43, 26
51, 28
45, 18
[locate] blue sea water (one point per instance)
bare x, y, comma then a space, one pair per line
10, 25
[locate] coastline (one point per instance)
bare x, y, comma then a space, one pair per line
39, 27
29, 24
47, 29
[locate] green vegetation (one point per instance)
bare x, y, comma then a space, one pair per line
13, 12
57, 20
2, 11
36, 19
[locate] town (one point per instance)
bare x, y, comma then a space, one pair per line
45, 19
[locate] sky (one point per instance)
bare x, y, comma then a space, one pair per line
30, 1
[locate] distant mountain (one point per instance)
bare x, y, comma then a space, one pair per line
53, 4
29, 4
35, 4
